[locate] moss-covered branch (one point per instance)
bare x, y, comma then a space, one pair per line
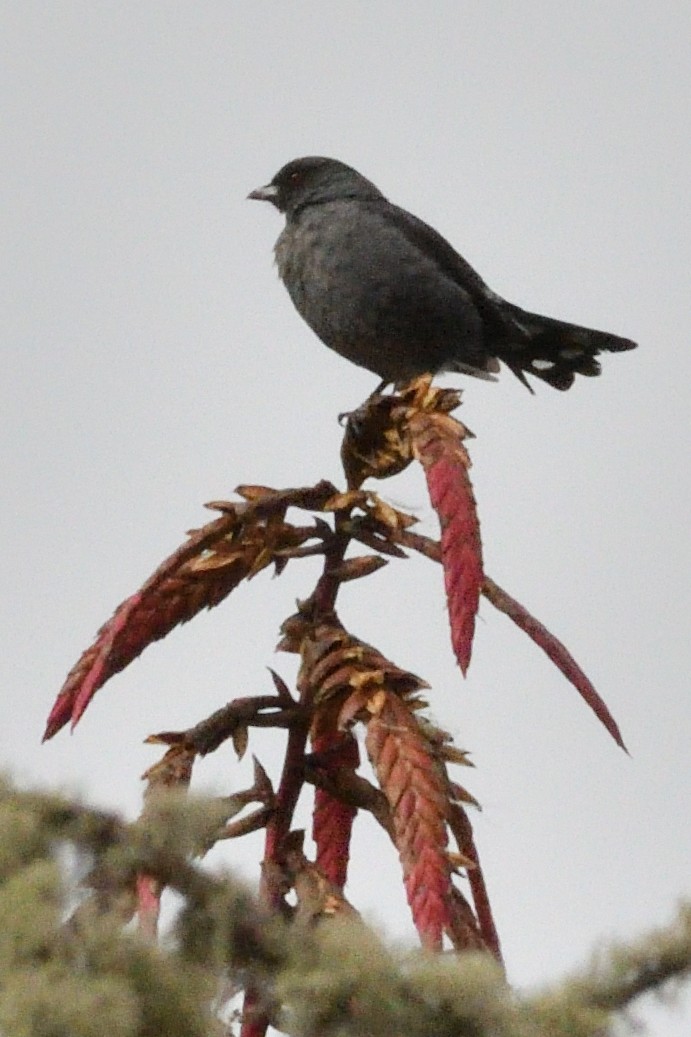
79, 972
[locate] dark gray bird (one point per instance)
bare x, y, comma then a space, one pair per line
388, 292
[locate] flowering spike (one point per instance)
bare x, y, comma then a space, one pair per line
199, 575
413, 784
437, 441
332, 818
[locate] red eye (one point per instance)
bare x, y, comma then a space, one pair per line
294, 177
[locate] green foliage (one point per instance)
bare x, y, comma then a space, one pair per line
83, 974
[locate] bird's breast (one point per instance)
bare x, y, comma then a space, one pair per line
355, 279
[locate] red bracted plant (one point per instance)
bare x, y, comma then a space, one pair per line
343, 681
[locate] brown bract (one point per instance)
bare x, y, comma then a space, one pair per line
377, 442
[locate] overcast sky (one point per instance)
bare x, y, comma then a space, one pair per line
152, 361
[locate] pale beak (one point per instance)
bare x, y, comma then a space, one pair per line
267, 193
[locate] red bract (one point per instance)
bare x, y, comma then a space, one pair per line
173, 594
148, 905
336, 753
438, 444
409, 777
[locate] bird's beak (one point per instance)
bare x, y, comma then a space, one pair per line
268, 193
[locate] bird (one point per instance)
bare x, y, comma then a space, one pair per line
389, 293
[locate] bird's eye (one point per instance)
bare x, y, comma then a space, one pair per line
294, 177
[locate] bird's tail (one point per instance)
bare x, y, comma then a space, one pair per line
552, 349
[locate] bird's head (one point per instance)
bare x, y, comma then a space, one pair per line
311, 181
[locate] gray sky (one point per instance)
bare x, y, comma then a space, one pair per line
152, 361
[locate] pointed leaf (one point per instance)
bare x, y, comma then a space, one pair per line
556, 651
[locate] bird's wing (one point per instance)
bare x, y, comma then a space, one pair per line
431, 244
